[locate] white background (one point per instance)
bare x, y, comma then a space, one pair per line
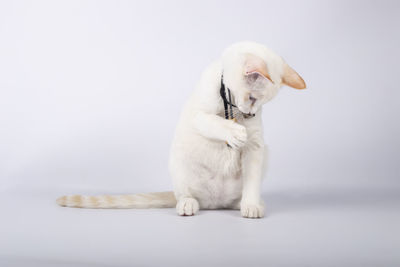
90, 93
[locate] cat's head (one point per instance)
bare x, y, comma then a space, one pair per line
254, 74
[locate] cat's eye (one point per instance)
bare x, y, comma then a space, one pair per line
252, 99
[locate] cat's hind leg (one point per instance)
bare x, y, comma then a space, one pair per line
187, 206
185, 176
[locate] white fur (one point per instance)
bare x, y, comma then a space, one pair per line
206, 172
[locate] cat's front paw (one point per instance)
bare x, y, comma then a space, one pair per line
252, 210
237, 135
187, 206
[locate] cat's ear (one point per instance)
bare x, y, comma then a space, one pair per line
255, 66
292, 78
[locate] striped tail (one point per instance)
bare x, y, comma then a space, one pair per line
136, 201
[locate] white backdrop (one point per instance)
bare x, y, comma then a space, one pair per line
91, 91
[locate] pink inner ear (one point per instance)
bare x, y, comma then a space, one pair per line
252, 72
255, 64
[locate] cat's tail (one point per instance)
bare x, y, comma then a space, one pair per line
136, 201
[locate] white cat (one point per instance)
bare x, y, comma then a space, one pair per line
217, 162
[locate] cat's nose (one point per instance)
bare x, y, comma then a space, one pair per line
251, 114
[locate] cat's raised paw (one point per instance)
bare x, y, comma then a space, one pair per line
187, 206
252, 210
237, 135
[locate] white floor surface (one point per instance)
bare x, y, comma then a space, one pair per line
303, 227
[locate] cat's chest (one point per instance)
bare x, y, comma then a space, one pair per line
218, 159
